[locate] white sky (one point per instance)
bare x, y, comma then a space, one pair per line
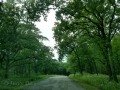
46, 29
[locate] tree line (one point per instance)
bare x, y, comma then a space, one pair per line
87, 33
22, 51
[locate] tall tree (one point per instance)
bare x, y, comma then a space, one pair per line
15, 18
99, 20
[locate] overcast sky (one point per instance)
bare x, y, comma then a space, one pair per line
46, 29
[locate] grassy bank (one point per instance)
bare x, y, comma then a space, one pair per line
16, 83
95, 82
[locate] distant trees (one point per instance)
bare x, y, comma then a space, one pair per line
98, 21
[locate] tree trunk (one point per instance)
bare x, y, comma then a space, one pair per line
110, 55
95, 67
79, 63
118, 63
90, 67
110, 63
7, 69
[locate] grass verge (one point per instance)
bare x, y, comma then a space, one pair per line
17, 83
95, 82
85, 85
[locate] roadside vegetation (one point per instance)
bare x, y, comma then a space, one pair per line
95, 82
17, 82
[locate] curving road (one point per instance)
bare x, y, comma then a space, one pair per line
55, 83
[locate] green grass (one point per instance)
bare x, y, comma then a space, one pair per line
17, 83
95, 82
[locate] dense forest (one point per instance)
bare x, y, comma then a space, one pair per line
86, 32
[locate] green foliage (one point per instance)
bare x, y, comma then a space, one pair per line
116, 52
82, 83
83, 24
100, 81
22, 51
17, 83
59, 68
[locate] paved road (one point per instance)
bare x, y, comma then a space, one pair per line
55, 83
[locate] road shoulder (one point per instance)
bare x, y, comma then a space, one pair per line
83, 84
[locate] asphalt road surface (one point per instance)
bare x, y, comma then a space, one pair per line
55, 83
